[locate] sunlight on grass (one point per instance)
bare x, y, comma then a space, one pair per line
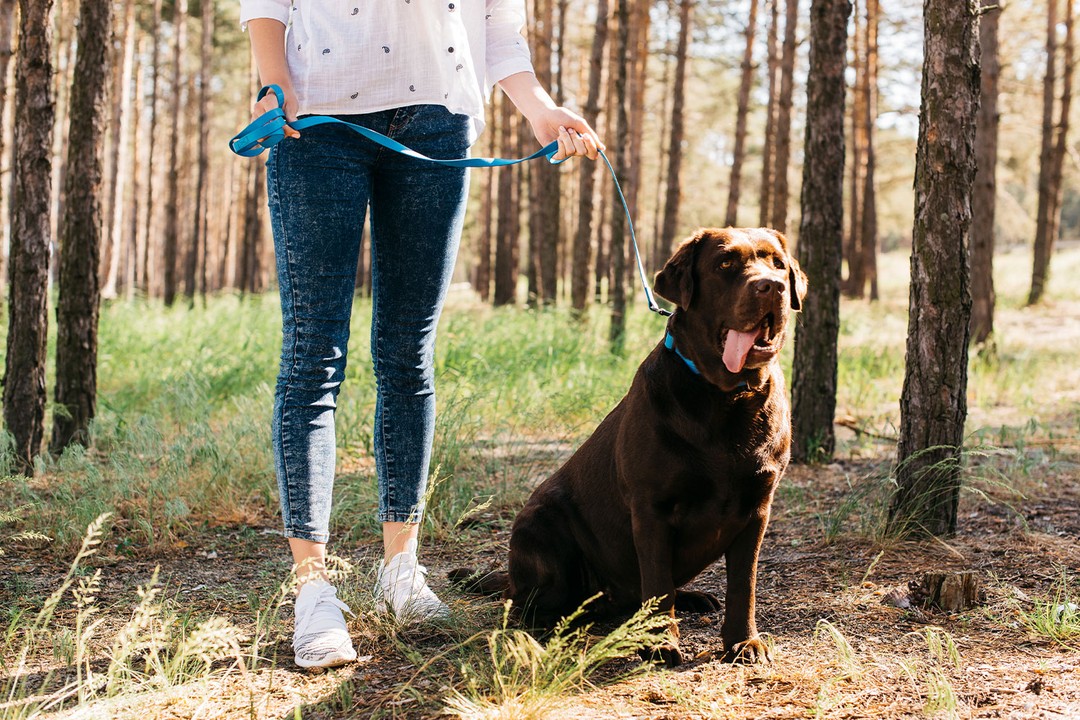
523, 678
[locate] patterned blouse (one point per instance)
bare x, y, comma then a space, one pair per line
360, 56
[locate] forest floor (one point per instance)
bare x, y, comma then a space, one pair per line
871, 660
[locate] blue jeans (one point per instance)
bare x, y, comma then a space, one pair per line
318, 188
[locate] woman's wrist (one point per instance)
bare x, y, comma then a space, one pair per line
527, 94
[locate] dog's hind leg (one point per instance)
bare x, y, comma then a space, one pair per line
471, 581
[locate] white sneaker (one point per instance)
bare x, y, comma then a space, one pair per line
403, 589
320, 638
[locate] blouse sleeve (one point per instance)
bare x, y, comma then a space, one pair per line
507, 51
273, 9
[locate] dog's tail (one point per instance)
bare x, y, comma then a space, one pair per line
478, 583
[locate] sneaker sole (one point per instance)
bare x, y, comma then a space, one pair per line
329, 661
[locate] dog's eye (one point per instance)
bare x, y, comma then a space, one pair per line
778, 263
726, 264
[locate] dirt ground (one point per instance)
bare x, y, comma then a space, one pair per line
819, 563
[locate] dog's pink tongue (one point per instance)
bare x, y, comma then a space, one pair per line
736, 348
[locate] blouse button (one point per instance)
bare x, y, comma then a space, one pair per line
449, 49
451, 7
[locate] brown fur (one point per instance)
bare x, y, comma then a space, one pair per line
683, 470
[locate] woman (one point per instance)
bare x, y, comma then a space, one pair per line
418, 71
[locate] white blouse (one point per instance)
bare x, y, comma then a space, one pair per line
360, 56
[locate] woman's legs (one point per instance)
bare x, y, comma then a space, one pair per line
417, 212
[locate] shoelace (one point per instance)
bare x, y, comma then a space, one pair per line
326, 596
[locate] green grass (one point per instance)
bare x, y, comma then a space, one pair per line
182, 433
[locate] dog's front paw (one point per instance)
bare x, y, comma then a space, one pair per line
666, 652
748, 652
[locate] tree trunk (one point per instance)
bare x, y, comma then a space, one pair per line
134, 257
636, 82
192, 274
779, 218
983, 199
617, 330
545, 213
171, 230
1045, 251
77, 308
253, 231
506, 230
1046, 160
768, 148
482, 278
678, 125
738, 153
852, 286
148, 240
579, 282
813, 390
7, 27
113, 218
868, 235
933, 405
24, 368
63, 50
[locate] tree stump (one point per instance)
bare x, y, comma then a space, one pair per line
951, 592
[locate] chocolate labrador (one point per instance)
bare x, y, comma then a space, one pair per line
683, 470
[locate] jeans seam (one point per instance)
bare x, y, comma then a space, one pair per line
282, 209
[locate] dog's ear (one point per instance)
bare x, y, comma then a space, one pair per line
675, 282
797, 283
796, 277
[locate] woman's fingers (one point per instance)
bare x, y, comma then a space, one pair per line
268, 103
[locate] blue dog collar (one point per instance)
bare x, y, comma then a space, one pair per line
669, 343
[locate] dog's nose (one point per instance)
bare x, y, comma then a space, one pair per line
766, 286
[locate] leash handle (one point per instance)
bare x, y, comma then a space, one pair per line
268, 130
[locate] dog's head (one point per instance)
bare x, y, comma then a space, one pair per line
735, 290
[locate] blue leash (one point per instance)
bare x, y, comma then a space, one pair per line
268, 130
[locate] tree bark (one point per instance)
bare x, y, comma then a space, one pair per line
738, 153
933, 404
482, 277
171, 230
7, 28
77, 308
868, 235
194, 278
506, 230
768, 148
148, 234
617, 330
678, 125
1045, 250
113, 219
544, 212
1046, 160
983, 199
24, 368
779, 218
813, 388
852, 286
579, 276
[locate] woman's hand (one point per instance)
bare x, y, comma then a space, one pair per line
270, 102
268, 45
574, 134
549, 121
